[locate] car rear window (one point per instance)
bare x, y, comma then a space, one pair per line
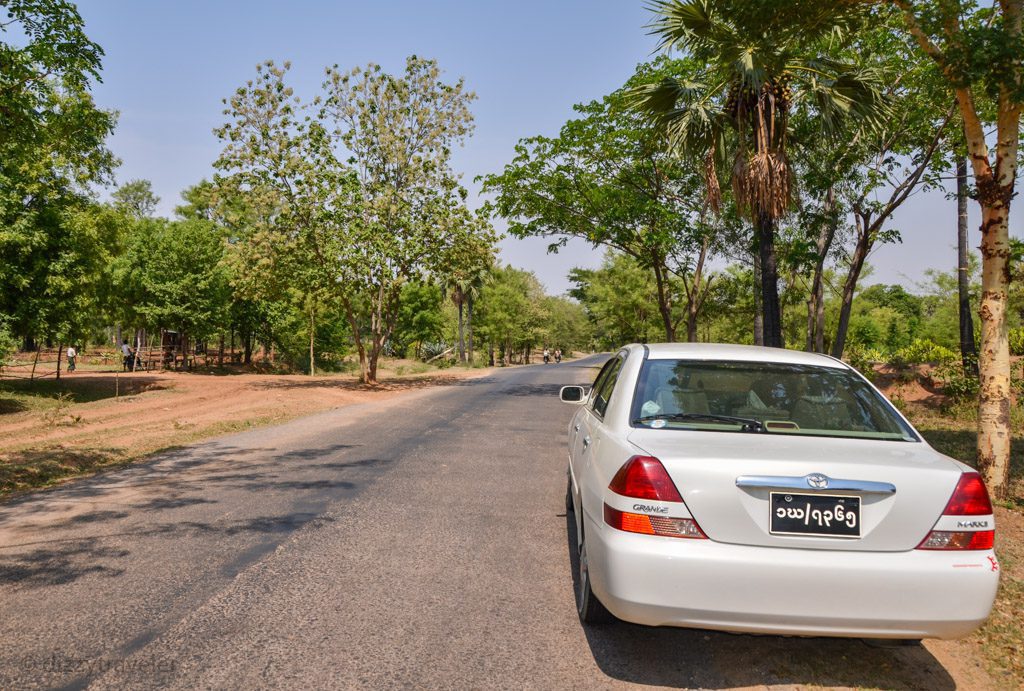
765, 397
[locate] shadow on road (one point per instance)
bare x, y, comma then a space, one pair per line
154, 501
693, 658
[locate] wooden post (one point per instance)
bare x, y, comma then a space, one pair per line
60, 352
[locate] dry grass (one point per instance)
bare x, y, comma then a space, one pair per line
952, 429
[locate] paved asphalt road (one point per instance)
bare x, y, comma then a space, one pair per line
415, 542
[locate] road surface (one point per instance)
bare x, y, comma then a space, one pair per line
415, 542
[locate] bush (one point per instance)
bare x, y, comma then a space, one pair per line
433, 349
8, 345
957, 383
923, 351
1017, 341
862, 359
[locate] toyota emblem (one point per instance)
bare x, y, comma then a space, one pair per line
817, 481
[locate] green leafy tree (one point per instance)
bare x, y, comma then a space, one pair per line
464, 270
511, 315
171, 276
136, 199
620, 299
292, 204
567, 326
398, 131
980, 51
609, 179
52, 149
420, 318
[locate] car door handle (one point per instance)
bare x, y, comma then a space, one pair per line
577, 427
586, 442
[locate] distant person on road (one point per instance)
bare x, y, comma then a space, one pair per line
72, 356
547, 356
558, 355
129, 357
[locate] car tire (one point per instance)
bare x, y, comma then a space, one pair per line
588, 607
569, 506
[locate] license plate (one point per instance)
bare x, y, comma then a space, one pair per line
815, 514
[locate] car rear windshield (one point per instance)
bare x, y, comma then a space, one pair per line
771, 398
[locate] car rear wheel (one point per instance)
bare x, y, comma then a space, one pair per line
589, 608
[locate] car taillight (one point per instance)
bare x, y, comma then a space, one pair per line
644, 477
970, 498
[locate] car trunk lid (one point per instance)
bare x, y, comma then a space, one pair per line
734, 483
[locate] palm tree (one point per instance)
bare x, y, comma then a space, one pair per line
749, 65
468, 268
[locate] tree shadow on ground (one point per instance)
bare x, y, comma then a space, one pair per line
58, 562
693, 658
155, 501
82, 387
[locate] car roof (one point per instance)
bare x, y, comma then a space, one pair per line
740, 353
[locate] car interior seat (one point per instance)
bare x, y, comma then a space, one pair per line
675, 400
817, 409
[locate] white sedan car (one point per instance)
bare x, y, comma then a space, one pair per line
769, 491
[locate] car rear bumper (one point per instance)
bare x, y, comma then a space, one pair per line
664, 581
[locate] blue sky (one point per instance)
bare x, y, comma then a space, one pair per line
169, 64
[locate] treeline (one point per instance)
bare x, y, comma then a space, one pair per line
888, 323
778, 138
335, 224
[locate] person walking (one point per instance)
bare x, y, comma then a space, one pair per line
72, 357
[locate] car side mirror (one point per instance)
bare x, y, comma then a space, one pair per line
572, 394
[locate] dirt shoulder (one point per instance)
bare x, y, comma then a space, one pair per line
92, 420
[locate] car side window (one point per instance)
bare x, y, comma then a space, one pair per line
599, 381
604, 391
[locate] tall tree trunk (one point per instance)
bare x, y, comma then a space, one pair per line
469, 324
770, 306
312, 335
819, 332
860, 254
816, 303
364, 367
462, 340
758, 312
968, 353
696, 291
664, 302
